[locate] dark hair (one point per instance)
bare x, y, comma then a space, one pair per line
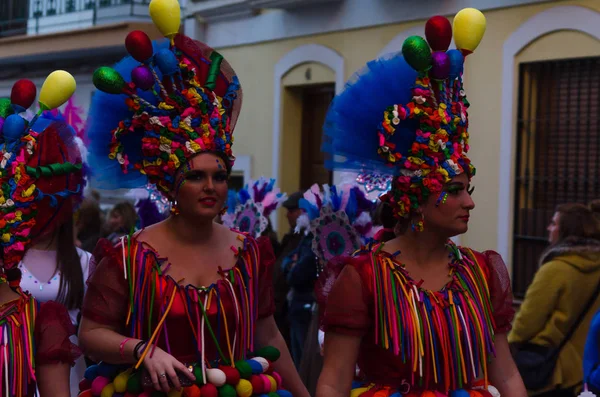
89, 217
70, 292
126, 210
384, 215
577, 221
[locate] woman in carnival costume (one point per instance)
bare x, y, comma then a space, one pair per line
420, 315
42, 180
184, 306
338, 222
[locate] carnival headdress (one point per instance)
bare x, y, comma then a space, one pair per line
160, 106
248, 210
338, 218
42, 165
406, 114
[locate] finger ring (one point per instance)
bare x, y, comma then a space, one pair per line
163, 375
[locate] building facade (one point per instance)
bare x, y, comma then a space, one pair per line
533, 85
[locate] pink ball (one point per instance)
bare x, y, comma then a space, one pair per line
98, 384
278, 379
142, 77
266, 382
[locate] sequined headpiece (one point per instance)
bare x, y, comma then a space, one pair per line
42, 166
422, 139
181, 98
248, 210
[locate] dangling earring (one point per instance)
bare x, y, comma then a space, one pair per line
174, 208
223, 210
420, 225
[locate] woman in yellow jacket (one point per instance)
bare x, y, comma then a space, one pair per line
566, 280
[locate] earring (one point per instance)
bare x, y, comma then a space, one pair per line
174, 208
420, 225
223, 211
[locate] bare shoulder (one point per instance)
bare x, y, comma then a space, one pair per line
230, 237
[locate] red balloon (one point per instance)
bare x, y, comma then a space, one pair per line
438, 32
23, 93
139, 45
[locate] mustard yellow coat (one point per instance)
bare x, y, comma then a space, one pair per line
560, 289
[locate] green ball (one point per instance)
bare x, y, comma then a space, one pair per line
198, 374
134, 383
108, 80
269, 352
157, 393
227, 391
6, 108
417, 54
273, 394
244, 369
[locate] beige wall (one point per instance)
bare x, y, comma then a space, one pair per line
255, 65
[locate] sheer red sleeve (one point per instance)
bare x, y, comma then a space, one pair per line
53, 328
107, 295
346, 304
266, 301
500, 290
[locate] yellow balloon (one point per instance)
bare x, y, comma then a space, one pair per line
175, 393
166, 15
108, 390
358, 392
468, 29
58, 87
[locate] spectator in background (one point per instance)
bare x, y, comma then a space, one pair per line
122, 219
88, 224
288, 244
565, 282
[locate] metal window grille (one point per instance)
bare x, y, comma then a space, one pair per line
558, 152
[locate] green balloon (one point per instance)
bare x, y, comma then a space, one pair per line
269, 352
6, 108
417, 53
108, 80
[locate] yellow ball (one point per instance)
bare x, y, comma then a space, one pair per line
273, 383
358, 392
58, 87
175, 393
108, 390
244, 388
468, 29
166, 15
120, 381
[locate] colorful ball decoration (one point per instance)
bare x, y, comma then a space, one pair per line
197, 371
13, 128
58, 87
440, 69
91, 372
457, 62
166, 61
417, 53
284, 393
438, 32
6, 108
244, 388
174, 393
85, 384
231, 374
23, 94
99, 384
216, 377
108, 80
166, 15
244, 369
120, 381
209, 390
469, 27
108, 390
142, 77
139, 46
192, 391
86, 393
459, 393
227, 391
269, 352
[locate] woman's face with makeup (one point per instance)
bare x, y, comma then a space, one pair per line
201, 187
449, 212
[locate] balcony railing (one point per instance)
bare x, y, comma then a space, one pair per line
49, 16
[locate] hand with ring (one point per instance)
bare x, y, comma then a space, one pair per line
162, 368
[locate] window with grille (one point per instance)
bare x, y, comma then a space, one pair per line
558, 152
13, 17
